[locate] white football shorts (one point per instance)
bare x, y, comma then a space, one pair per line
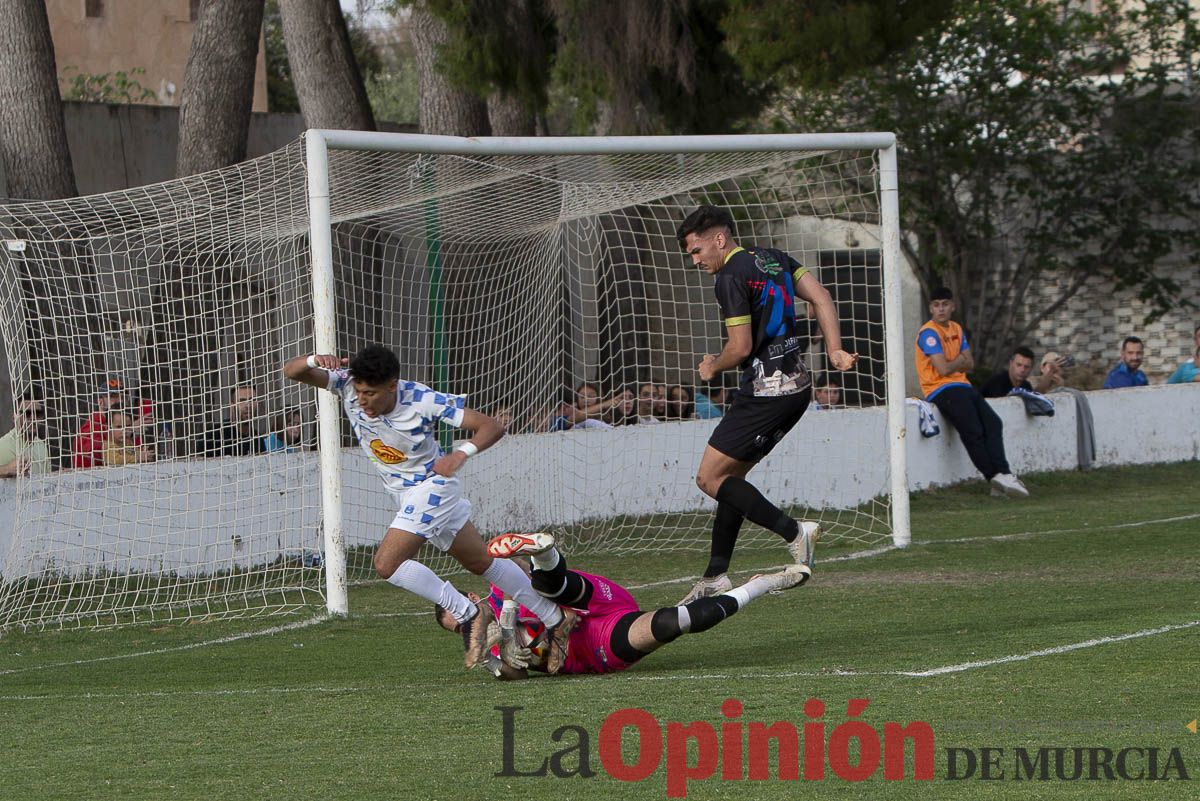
435, 510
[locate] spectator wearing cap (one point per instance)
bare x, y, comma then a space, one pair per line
23, 451
238, 434
1128, 372
88, 449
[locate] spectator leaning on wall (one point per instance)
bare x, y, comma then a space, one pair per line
1020, 365
88, 450
1128, 372
23, 450
943, 355
1189, 371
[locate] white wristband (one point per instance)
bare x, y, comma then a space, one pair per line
311, 361
467, 449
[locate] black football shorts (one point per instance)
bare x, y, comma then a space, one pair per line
753, 425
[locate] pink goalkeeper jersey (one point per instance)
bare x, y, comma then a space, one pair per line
588, 647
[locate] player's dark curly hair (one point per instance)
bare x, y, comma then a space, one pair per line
375, 365
704, 219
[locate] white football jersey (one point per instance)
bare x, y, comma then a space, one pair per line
402, 444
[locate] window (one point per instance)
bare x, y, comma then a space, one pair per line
93, 8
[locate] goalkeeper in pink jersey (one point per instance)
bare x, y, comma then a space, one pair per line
612, 632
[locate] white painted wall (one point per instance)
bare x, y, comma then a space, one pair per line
201, 516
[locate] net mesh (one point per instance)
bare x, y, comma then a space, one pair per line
527, 283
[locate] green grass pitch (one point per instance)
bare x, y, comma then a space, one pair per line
377, 706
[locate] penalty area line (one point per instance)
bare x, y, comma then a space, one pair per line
246, 635
931, 672
1058, 649
612, 677
1020, 535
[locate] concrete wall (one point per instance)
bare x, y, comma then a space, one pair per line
1091, 325
154, 36
117, 147
245, 511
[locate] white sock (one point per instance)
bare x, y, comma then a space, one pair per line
512, 579
685, 619
420, 580
547, 560
754, 588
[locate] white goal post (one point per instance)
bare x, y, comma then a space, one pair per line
446, 171
166, 470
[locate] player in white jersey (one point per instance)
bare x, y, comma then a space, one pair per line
396, 423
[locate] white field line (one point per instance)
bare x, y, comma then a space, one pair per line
627, 677
1058, 649
622, 676
846, 557
300, 624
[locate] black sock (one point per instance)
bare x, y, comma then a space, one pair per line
726, 525
702, 614
562, 586
708, 612
745, 498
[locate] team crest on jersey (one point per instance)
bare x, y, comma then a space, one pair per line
766, 264
386, 453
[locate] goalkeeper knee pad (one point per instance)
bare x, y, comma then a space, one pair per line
664, 626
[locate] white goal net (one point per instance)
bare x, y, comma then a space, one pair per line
183, 476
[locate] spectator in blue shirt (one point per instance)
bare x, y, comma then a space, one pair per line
1189, 371
1128, 372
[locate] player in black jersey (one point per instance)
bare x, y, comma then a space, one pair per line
757, 289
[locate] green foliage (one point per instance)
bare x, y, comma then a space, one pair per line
281, 92
821, 42
107, 87
498, 45
648, 67
1037, 140
394, 90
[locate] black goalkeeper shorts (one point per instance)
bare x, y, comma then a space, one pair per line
753, 426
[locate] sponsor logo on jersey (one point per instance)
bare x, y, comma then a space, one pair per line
766, 264
931, 340
386, 453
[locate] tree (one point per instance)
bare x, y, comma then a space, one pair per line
446, 108
33, 136
373, 65
328, 82
819, 43
597, 66
1038, 143
218, 86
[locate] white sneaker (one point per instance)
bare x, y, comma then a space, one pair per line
792, 576
707, 587
801, 548
1010, 485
